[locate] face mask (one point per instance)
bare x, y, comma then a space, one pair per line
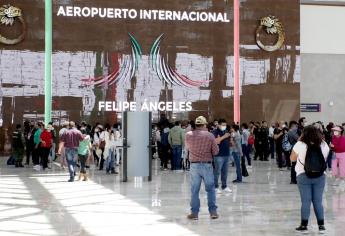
96, 130
284, 126
222, 128
166, 130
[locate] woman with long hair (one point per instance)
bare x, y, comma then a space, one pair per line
311, 188
110, 150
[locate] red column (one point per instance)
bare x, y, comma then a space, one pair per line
237, 112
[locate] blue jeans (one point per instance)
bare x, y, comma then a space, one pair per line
72, 158
110, 162
177, 157
221, 168
311, 191
329, 160
199, 172
237, 160
52, 151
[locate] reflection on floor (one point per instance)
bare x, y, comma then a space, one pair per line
43, 203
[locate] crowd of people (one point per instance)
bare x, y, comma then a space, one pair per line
205, 149
250, 141
309, 152
73, 145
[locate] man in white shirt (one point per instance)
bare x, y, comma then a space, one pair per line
271, 140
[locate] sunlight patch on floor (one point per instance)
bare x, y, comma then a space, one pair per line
101, 211
20, 215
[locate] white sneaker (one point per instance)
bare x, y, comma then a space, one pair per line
342, 185
218, 191
227, 190
37, 167
336, 182
329, 173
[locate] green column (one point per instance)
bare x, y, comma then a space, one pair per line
48, 61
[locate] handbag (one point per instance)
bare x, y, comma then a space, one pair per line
99, 152
101, 144
251, 139
11, 161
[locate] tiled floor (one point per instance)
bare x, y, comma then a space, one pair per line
37, 203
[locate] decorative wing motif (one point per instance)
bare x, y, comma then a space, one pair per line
125, 72
129, 65
165, 72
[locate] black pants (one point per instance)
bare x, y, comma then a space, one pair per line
82, 159
271, 141
186, 162
101, 163
36, 156
99, 159
246, 148
164, 156
153, 149
257, 150
293, 173
287, 158
29, 152
279, 157
261, 151
44, 157
95, 157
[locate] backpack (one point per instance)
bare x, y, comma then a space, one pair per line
251, 139
286, 145
315, 164
165, 139
11, 161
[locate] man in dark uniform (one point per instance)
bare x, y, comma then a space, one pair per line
18, 144
261, 142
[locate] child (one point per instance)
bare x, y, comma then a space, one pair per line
83, 153
338, 145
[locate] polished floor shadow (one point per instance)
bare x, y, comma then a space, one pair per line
43, 203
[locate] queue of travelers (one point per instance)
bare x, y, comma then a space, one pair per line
78, 146
205, 149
